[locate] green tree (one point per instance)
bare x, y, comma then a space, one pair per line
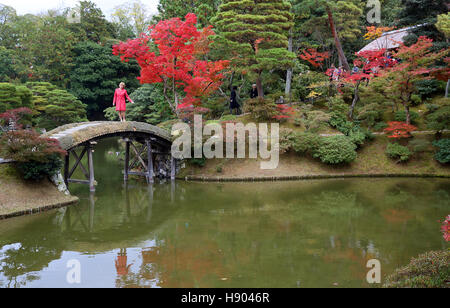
14, 96
204, 9
7, 64
97, 73
423, 12
93, 25
7, 17
255, 33
443, 24
55, 107
132, 18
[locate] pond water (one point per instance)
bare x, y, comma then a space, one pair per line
284, 234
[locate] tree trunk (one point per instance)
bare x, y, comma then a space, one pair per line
447, 88
337, 41
355, 100
408, 115
259, 86
287, 90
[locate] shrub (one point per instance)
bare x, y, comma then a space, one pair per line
261, 109
35, 157
380, 126
400, 116
370, 114
439, 116
336, 150
37, 171
200, 162
428, 87
217, 106
397, 151
357, 136
316, 120
419, 145
287, 138
443, 154
429, 270
303, 143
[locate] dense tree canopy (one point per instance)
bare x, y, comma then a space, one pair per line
255, 33
97, 73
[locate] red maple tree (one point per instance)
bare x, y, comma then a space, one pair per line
398, 130
314, 57
417, 62
174, 54
369, 64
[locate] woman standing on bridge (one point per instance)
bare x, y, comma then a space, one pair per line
120, 97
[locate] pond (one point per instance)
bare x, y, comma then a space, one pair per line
317, 233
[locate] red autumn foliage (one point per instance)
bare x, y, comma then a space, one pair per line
371, 63
28, 145
174, 60
446, 229
314, 57
15, 116
284, 112
398, 130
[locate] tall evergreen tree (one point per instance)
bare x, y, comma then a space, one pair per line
97, 73
204, 9
255, 32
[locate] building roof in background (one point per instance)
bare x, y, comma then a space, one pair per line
390, 40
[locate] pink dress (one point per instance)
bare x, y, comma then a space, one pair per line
119, 99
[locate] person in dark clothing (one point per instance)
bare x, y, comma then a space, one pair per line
254, 92
234, 101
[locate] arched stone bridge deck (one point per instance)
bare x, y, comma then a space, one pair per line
154, 140
73, 135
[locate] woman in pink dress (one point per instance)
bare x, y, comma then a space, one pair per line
120, 97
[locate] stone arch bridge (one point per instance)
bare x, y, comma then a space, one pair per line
143, 139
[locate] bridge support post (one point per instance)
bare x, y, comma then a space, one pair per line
88, 173
127, 159
66, 169
150, 173
91, 167
172, 168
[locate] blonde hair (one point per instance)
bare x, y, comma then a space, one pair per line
122, 83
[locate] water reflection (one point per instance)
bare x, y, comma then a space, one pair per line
294, 234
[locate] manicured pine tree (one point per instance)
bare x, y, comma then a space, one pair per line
255, 34
54, 107
13, 97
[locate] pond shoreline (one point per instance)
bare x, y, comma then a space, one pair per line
307, 177
19, 197
41, 209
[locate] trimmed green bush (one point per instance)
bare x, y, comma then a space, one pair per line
335, 150
399, 152
357, 136
261, 109
306, 143
429, 270
36, 171
34, 157
443, 154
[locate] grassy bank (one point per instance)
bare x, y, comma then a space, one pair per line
371, 160
19, 197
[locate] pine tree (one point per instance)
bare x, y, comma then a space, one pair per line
55, 107
255, 35
14, 96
